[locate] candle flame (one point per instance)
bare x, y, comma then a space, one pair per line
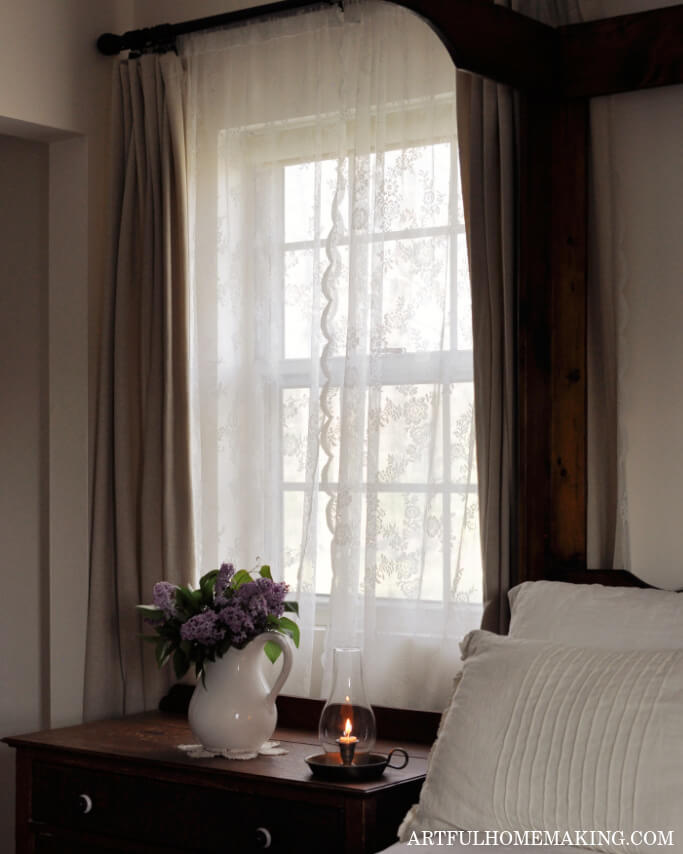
347, 728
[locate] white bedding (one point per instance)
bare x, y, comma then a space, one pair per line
601, 717
559, 739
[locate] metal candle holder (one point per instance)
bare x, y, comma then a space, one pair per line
347, 749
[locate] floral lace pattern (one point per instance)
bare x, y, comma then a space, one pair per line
335, 364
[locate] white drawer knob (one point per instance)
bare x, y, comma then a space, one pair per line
85, 803
263, 837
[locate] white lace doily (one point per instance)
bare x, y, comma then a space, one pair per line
268, 748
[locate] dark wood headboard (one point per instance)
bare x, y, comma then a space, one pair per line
610, 578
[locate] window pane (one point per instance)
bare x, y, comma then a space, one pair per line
460, 209
464, 306
300, 277
304, 303
310, 540
338, 320
404, 425
463, 457
300, 214
417, 187
328, 177
405, 545
415, 310
309, 196
295, 418
466, 570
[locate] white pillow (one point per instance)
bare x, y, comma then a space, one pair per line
595, 615
548, 737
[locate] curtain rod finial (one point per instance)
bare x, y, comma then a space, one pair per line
109, 44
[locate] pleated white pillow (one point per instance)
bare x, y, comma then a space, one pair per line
543, 736
596, 615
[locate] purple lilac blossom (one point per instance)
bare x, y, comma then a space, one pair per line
239, 624
264, 596
163, 596
245, 614
275, 593
225, 573
203, 628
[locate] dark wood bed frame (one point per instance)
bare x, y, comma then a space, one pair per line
557, 71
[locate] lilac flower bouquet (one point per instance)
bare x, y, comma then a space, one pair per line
227, 609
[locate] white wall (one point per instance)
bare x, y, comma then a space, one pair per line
648, 186
151, 12
55, 90
23, 448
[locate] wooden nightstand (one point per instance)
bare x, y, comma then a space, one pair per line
122, 785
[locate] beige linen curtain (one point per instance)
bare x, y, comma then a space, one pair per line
142, 513
488, 163
487, 134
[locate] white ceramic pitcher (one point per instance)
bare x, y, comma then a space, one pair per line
233, 708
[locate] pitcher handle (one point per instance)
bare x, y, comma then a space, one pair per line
285, 645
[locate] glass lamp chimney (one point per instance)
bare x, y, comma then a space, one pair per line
347, 722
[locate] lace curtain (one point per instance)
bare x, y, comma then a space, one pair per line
332, 342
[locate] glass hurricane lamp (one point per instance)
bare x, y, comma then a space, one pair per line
347, 723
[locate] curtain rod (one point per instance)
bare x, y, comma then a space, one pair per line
162, 37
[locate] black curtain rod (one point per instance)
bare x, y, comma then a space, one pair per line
162, 37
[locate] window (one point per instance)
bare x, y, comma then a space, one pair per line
333, 337
418, 472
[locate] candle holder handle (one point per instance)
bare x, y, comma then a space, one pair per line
404, 754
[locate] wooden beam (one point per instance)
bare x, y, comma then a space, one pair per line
552, 337
622, 54
533, 341
494, 41
568, 254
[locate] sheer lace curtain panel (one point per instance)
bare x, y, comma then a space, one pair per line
332, 389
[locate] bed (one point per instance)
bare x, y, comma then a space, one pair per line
569, 730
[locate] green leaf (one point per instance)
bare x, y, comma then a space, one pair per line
292, 607
150, 612
180, 663
289, 627
163, 651
240, 578
272, 650
264, 572
150, 638
189, 601
207, 584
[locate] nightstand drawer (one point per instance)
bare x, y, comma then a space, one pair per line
185, 817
